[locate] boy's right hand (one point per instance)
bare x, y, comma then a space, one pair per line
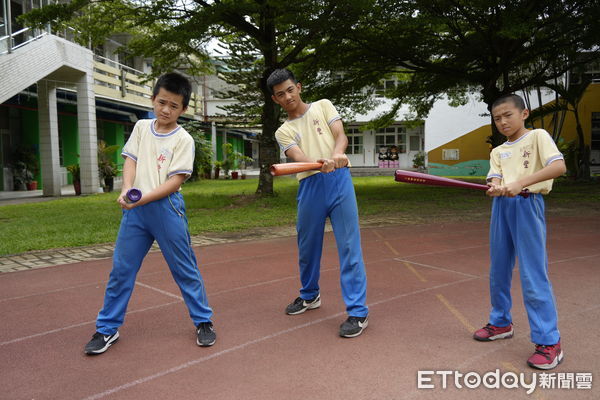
495, 190
122, 200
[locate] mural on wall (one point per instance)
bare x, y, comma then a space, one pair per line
467, 168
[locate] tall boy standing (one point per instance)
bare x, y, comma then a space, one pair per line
159, 157
314, 132
527, 160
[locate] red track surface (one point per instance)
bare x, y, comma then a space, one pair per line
428, 289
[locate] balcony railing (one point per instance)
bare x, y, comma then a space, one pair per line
121, 82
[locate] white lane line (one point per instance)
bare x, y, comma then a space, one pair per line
252, 342
64, 328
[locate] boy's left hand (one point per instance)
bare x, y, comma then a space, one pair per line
328, 165
340, 160
512, 189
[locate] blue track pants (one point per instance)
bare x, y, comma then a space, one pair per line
518, 229
331, 195
165, 221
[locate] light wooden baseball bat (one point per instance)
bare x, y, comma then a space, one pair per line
294, 168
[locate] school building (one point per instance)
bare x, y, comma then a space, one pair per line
453, 139
58, 99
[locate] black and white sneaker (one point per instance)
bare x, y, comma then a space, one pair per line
353, 326
206, 334
100, 343
300, 305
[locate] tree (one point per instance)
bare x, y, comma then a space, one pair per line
450, 48
279, 34
568, 97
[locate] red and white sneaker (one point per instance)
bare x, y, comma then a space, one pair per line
546, 357
491, 332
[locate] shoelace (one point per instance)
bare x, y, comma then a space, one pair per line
205, 327
543, 350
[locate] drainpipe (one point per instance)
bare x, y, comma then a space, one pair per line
8, 25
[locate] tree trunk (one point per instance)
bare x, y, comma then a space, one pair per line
489, 96
269, 150
583, 151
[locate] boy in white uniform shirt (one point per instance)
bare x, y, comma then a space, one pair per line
527, 160
159, 157
314, 132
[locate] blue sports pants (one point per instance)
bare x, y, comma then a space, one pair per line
518, 229
165, 221
331, 195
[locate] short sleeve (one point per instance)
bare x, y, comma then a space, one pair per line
183, 158
330, 113
547, 150
131, 148
287, 138
495, 168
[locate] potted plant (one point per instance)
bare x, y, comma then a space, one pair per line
203, 159
419, 161
242, 162
218, 165
107, 167
25, 169
21, 176
76, 174
228, 159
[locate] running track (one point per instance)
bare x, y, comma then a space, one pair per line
428, 290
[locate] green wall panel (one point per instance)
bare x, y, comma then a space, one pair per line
467, 168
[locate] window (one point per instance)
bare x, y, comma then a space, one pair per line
450, 154
355, 141
385, 85
595, 145
415, 143
391, 136
596, 131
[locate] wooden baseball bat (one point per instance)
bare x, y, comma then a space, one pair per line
294, 168
426, 179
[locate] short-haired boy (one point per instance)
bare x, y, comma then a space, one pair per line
530, 160
159, 157
314, 132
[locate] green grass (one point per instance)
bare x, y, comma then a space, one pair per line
231, 206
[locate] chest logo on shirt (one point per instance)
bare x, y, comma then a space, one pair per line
525, 153
505, 155
316, 123
164, 155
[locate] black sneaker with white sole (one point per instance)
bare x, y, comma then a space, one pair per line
100, 343
353, 326
300, 305
206, 334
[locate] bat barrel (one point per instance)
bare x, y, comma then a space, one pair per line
426, 179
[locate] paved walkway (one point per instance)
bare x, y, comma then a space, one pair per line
48, 258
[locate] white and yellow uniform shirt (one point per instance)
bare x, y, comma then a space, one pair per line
533, 151
310, 132
158, 155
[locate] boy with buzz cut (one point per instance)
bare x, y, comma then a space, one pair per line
314, 132
159, 157
528, 160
